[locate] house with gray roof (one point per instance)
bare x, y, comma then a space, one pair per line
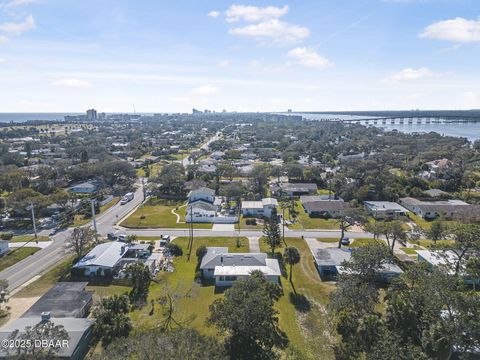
330, 261
293, 189
74, 348
323, 208
447, 209
385, 209
203, 193
227, 267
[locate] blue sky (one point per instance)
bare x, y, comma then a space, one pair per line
65, 55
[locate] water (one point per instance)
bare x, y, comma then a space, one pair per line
23, 117
471, 131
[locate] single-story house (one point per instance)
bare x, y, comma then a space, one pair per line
329, 263
259, 208
78, 329
385, 209
448, 209
84, 188
446, 259
325, 208
102, 259
204, 193
227, 267
64, 299
293, 189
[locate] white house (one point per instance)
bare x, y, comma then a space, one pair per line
385, 209
102, 259
227, 267
203, 193
259, 208
3, 247
200, 211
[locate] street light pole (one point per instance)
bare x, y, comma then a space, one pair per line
93, 220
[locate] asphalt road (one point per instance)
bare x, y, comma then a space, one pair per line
46, 258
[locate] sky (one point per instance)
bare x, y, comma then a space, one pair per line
304, 55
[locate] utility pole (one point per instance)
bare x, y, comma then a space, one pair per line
190, 240
143, 188
94, 221
33, 220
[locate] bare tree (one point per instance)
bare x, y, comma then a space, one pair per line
80, 239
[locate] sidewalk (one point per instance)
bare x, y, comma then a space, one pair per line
40, 244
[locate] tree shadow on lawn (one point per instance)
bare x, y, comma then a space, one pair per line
300, 302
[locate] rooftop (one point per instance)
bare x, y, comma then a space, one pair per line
106, 255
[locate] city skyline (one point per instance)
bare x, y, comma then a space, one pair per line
66, 56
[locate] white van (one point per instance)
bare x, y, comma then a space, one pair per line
127, 197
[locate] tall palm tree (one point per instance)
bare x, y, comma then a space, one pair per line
291, 257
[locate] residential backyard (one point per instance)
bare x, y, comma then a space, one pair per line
157, 213
303, 315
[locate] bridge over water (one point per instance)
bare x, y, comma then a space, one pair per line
394, 120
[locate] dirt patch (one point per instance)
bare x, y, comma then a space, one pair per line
18, 306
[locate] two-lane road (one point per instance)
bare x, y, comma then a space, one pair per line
23, 271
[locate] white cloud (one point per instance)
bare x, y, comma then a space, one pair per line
224, 64
11, 28
4, 39
458, 29
214, 14
308, 57
15, 3
205, 90
253, 13
410, 74
278, 31
72, 83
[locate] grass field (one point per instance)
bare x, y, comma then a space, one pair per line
410, 251
357, 242
26, 238
303, 315
15, 255
158, 214
307, 222
194, 309
244, 226
47, 280
328, 240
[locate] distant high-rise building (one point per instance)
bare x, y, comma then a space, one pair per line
92, 115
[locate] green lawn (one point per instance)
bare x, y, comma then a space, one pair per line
26, 238
410, 251
47, 280
424, 224
357, 242
158, 214
244, 225
305, 324
328, 240
440, 243
181, 280
16, 255
307, 222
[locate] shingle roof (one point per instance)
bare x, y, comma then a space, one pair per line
328, 205
217, 256
202, 190
330, 257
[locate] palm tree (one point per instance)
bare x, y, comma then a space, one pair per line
291, 257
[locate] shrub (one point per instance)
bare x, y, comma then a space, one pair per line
6, 236
252, 222
201, 251
174, 249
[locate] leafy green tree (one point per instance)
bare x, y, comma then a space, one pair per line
393, 232
291, 257
201, 252
348, 218
247, 317
185, 344
141, 277
80, 239
437, 231
466, 240
44, 330
271, 230
111, 319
